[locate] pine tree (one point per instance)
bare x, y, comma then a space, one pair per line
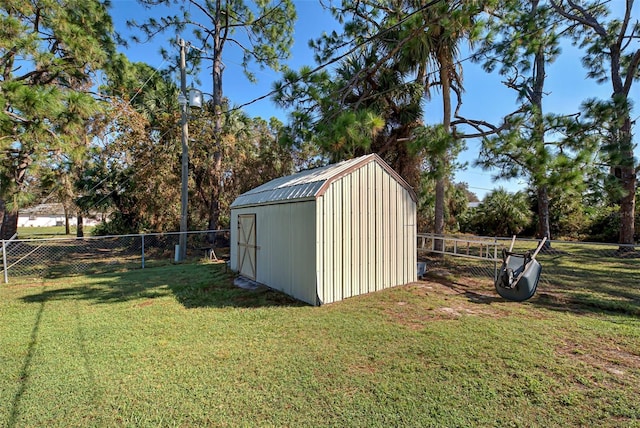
611, 54
49, 53
522, 42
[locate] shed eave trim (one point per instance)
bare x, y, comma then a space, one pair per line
275, 202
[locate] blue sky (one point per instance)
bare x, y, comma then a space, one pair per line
485, 98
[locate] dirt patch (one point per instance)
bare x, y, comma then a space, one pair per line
145, 303
442, 299
363, 368
456, 311
608, 356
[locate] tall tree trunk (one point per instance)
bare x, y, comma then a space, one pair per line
9, 224
80, 225
627, 167
544, 228
627, 208
623, 72
538, 136
445, 81
621, 87
439, 213
628, 181
67, 228
216, 179
214, 204
10, 217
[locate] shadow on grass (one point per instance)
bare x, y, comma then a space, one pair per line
100, 292
585, 302
579, 280
474, 295
193, 285
25, 371
598, 296
596, 284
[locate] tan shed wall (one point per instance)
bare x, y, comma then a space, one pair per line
366, 238
285, 237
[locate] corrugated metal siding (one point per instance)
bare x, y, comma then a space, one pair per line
233, 236
319, 241
366, 229
287, 249
338, 241
356, 221
387, 238
370, 240
347, 233
286, 240
411, 244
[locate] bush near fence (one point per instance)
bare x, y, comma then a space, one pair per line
56, 257
594, 274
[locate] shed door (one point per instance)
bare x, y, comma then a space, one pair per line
247, 245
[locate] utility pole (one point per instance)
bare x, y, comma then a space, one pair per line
183, 101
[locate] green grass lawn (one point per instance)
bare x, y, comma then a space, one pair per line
178, 345
587, 275
50, 232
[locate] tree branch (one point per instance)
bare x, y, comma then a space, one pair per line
625, 23
16, 117
479, 124
586, 19
633, 65
266, 15
204, 11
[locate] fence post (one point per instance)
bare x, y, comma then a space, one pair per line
142, 236
4, 261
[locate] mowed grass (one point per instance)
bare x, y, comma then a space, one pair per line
595, 276
179, 345
50, 232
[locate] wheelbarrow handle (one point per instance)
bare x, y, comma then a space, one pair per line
539, 248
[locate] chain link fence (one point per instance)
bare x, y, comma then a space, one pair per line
607, 275
57, 257
476, 257
575, 271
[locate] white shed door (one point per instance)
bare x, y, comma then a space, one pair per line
247, 245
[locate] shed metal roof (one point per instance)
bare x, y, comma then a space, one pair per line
309, 184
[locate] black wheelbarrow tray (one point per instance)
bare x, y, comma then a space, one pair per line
519, 274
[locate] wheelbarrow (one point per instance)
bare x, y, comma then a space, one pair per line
519, 274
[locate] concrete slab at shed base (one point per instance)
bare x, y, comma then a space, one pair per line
246, 283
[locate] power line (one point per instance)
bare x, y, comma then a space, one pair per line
342, 56
339, 58
155, 71
315, 70
379, 34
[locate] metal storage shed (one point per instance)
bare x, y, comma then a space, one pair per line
328, 233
